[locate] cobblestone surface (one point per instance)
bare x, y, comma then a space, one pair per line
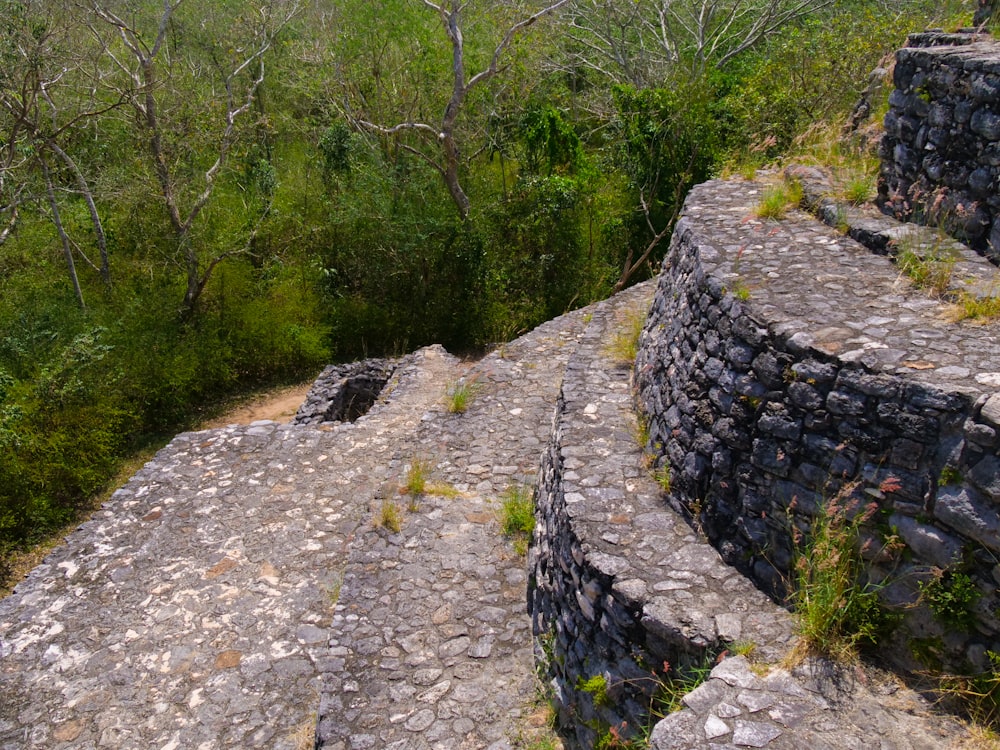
193, 611
814, 706
431, 644
236, 593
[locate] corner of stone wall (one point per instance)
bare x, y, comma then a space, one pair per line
941, 149
761, 430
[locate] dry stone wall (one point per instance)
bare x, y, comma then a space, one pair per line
941, 150
783, 366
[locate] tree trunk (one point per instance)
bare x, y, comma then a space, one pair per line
95, 218
64, 238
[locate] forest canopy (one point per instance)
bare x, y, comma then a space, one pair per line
198, 197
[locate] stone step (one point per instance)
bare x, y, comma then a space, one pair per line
621, 583
431, 645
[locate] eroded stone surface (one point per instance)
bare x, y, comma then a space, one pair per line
818, 706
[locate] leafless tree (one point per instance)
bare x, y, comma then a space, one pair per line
146, 62
40, 108
640, 41
442, 149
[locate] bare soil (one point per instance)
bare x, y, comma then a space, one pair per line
278, 405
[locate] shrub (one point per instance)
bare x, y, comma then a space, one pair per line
835, 609
952, 597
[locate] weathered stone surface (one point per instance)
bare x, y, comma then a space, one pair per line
781, 714
940, 144
881, 398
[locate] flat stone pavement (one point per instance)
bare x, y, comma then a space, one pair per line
195, 610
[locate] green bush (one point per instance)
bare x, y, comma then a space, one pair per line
952, 597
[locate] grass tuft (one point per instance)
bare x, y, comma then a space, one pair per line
460, 396
416, 477
517, 516
624, 344
930, 266
859, 189
835, 610
778, 199
390, 517
979, 308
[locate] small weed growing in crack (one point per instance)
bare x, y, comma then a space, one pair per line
459, 396
928, 266
416, 477
389, 517
517, 516
662, 476
624, 345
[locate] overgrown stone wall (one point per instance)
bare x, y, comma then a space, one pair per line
941, 149
764, 416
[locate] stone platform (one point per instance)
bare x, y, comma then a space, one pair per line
237, 592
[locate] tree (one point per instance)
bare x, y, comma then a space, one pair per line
41, 108
223, 51
445, 152
641, 41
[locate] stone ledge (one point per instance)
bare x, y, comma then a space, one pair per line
783, 362
620, 583
969, 273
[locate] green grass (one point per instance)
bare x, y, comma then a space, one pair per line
835, 611
416, 477
930, 266
979, 308
859, 189
662, 475
460, 396
389, 517
932, 273
517, 516
624, 345
778, 199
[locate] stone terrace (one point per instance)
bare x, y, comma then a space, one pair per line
235, 593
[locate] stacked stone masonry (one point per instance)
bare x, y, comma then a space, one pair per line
782, 366
941, 150
236, 592
620, 584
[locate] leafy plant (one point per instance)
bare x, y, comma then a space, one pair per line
597, 687
952, 597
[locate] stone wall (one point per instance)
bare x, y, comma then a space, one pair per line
764, 417
618, 584
342, 393
941, 149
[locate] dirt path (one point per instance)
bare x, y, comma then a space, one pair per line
278, 405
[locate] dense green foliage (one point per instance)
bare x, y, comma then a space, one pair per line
234, 193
